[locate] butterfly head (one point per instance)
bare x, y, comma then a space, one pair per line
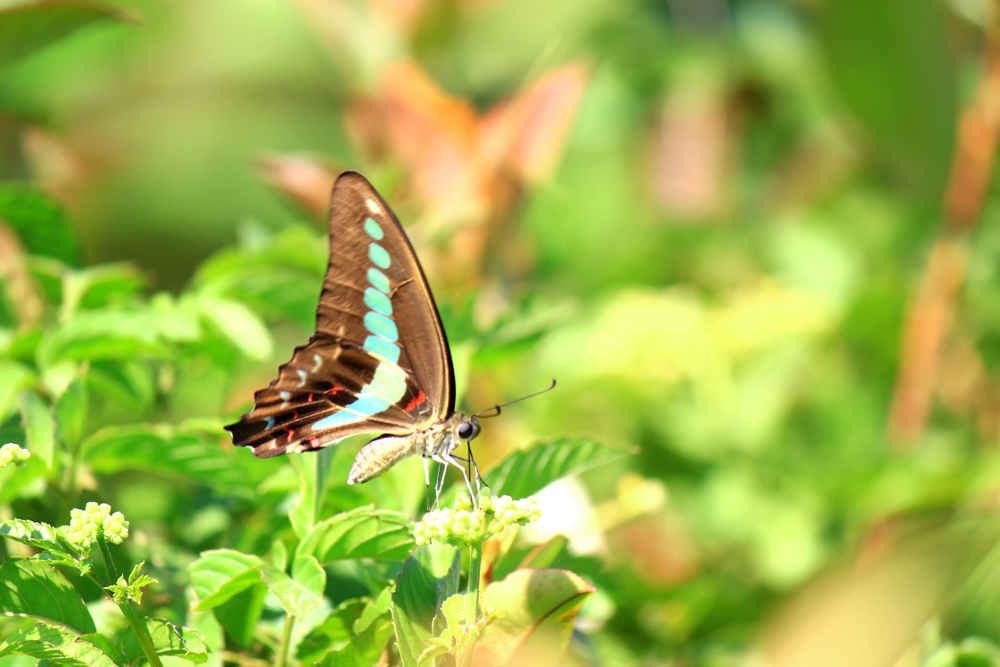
467, 429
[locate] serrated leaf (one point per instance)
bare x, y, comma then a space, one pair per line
39, 427
529, 471
299, 595
168, 639
239, 325
361, 533
33, 588
58, 644
537, 605
106, 645
428, 578
453, 610
29, 25
363, 650
38, 535
222, 573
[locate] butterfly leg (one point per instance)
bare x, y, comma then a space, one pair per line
449, 460
480, 480
439, 482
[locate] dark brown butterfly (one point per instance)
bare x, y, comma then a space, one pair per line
379, 361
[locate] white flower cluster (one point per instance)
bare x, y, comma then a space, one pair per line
466, 523
508, 511
13, 453
85, 523
459, 524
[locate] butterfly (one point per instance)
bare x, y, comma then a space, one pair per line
379, 361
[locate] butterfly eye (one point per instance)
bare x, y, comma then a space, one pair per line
467, 431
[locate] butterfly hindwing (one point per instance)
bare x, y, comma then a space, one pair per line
378, 362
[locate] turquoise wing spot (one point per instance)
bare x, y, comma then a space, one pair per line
378, 301
383, 348
380, 325
302, 377
387, 384
373, 230
378, 280
284, 395
368, 405
270, 423
337, 419
386, 388
378, 255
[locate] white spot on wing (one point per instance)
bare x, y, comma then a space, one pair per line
372, 206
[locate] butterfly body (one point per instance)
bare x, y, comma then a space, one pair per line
436, 443
379, 361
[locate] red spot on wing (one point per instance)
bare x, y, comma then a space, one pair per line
310, 399
290, 433
295, 414
314, 441
333, 392
415, 401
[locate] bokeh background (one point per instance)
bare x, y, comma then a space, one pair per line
755, 241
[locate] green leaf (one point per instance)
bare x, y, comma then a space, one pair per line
71, 413
39, 427
302, 593
241, 613
239, 325
107, 646
162, 450
544, 554
13, 378
168, 639
38, 535
279, 554
108, 333
892, 64
303, 514
33, 588
333, 633
538, 606
529, 471
429, 577
220, 574
39, 222
374, 609
29, 25
361, 533
58, 644
106, 284
363, 650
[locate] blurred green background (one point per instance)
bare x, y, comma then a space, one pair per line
708, 220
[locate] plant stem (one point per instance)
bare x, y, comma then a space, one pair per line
475, 569
286, 639
135, 622
472, 601
141, 632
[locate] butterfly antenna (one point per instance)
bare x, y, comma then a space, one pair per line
481, 414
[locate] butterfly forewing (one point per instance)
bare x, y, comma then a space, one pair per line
378, 362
